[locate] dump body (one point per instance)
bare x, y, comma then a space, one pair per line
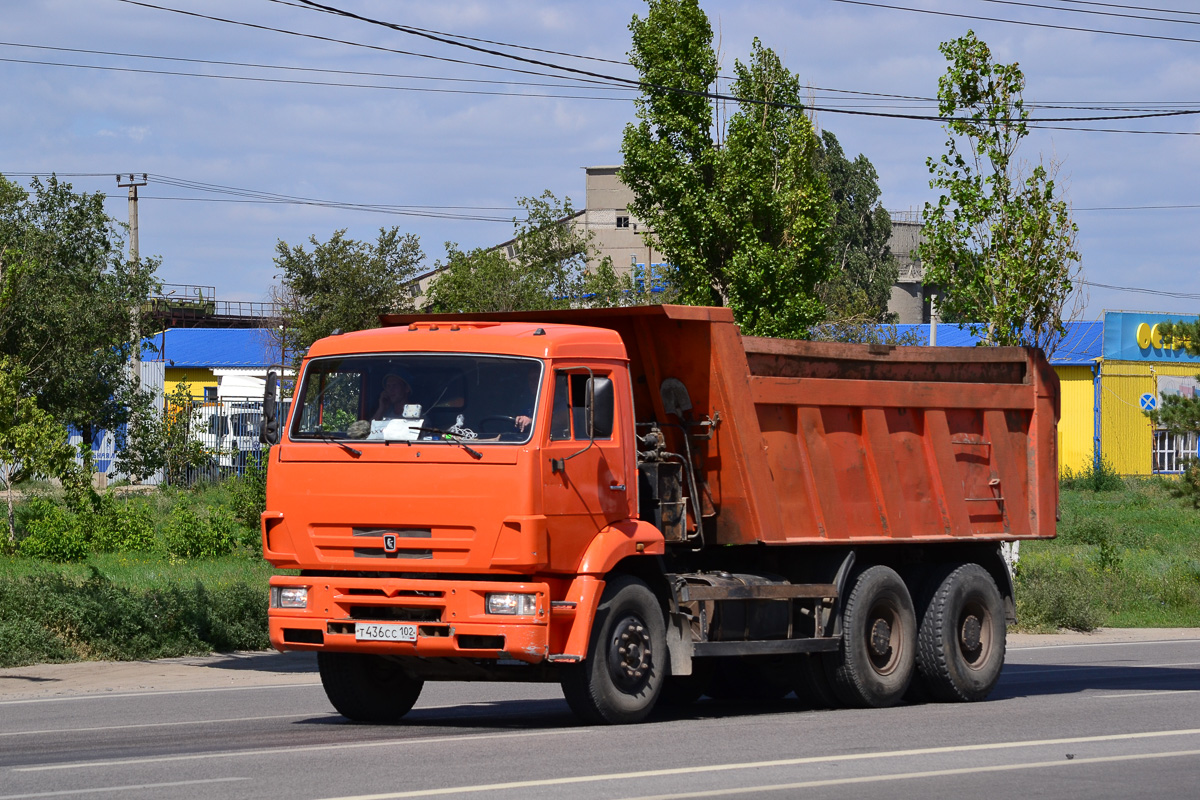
821, 442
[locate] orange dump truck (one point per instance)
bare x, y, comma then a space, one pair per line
644, 505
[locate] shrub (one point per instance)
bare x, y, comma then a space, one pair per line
51, 617
1052, 595
1099, 476
54, 534
188, 535
121, 526
250, 491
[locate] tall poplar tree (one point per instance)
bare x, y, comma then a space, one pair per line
744, 221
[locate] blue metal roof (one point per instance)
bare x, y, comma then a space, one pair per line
214, 347
1080, 346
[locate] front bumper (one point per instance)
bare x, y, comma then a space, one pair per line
449, 615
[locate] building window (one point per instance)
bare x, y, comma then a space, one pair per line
210, 394
1171, 450
622, 222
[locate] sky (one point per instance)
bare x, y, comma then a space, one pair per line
382, 127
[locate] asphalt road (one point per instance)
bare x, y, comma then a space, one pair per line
1079, 717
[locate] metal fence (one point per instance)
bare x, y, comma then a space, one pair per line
226, 429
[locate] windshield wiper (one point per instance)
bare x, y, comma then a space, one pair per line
326, 437
454, 438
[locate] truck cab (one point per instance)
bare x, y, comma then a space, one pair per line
471, 521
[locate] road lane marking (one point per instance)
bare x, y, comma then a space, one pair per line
1100, 644
783, 762
132, 788
154, 693
165, 724
1141, 694
907, 776
310, 748
1074, 668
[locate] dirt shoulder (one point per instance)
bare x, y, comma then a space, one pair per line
266, 668
269, 668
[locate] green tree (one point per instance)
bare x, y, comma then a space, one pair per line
999, 242
32, 443
344, 284
66, 294
1181, 415
745, 221
547, 268
857, 291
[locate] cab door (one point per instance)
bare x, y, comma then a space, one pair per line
587, 477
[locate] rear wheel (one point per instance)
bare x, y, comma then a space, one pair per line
877, 657
812, 683
367, 688
623, 675
961, 643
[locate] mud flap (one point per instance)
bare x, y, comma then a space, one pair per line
679, 643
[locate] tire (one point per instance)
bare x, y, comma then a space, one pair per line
960, 647
623, 675
367, 688
877, 657
812, 683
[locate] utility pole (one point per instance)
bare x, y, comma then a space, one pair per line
132, 182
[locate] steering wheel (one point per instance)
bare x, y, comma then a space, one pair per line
512, 421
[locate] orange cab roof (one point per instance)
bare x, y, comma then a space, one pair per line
501, 338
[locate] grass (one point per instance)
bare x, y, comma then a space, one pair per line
166, 573
1127, 555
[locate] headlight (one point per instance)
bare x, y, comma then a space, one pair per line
289, 597
511, 603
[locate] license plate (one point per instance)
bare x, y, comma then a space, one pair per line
382, 632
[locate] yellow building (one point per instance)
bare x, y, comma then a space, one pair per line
1110, 371
1136, 371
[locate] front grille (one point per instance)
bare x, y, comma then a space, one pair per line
445, 547
395, 614
379, 552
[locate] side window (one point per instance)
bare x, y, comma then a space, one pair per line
570, 414
560, 417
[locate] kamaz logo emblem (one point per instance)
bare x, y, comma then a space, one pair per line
389, 543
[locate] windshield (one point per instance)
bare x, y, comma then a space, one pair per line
418, 398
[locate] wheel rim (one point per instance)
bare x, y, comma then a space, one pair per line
883, 635
630, 655
974, 634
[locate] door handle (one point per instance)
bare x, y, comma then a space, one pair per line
617, 487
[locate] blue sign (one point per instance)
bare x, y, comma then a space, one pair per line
1148, 402
1136, 336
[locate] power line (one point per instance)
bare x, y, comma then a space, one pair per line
1016, 22
1045, 7
1133, 8
473, 39
242, 195
297, 82
1032, 122
331, 40
290, 68
1140, 290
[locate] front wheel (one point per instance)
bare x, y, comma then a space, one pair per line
879, 640
623, 675
961, 642
367, 688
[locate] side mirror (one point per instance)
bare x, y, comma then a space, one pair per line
600, 408
268, 429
